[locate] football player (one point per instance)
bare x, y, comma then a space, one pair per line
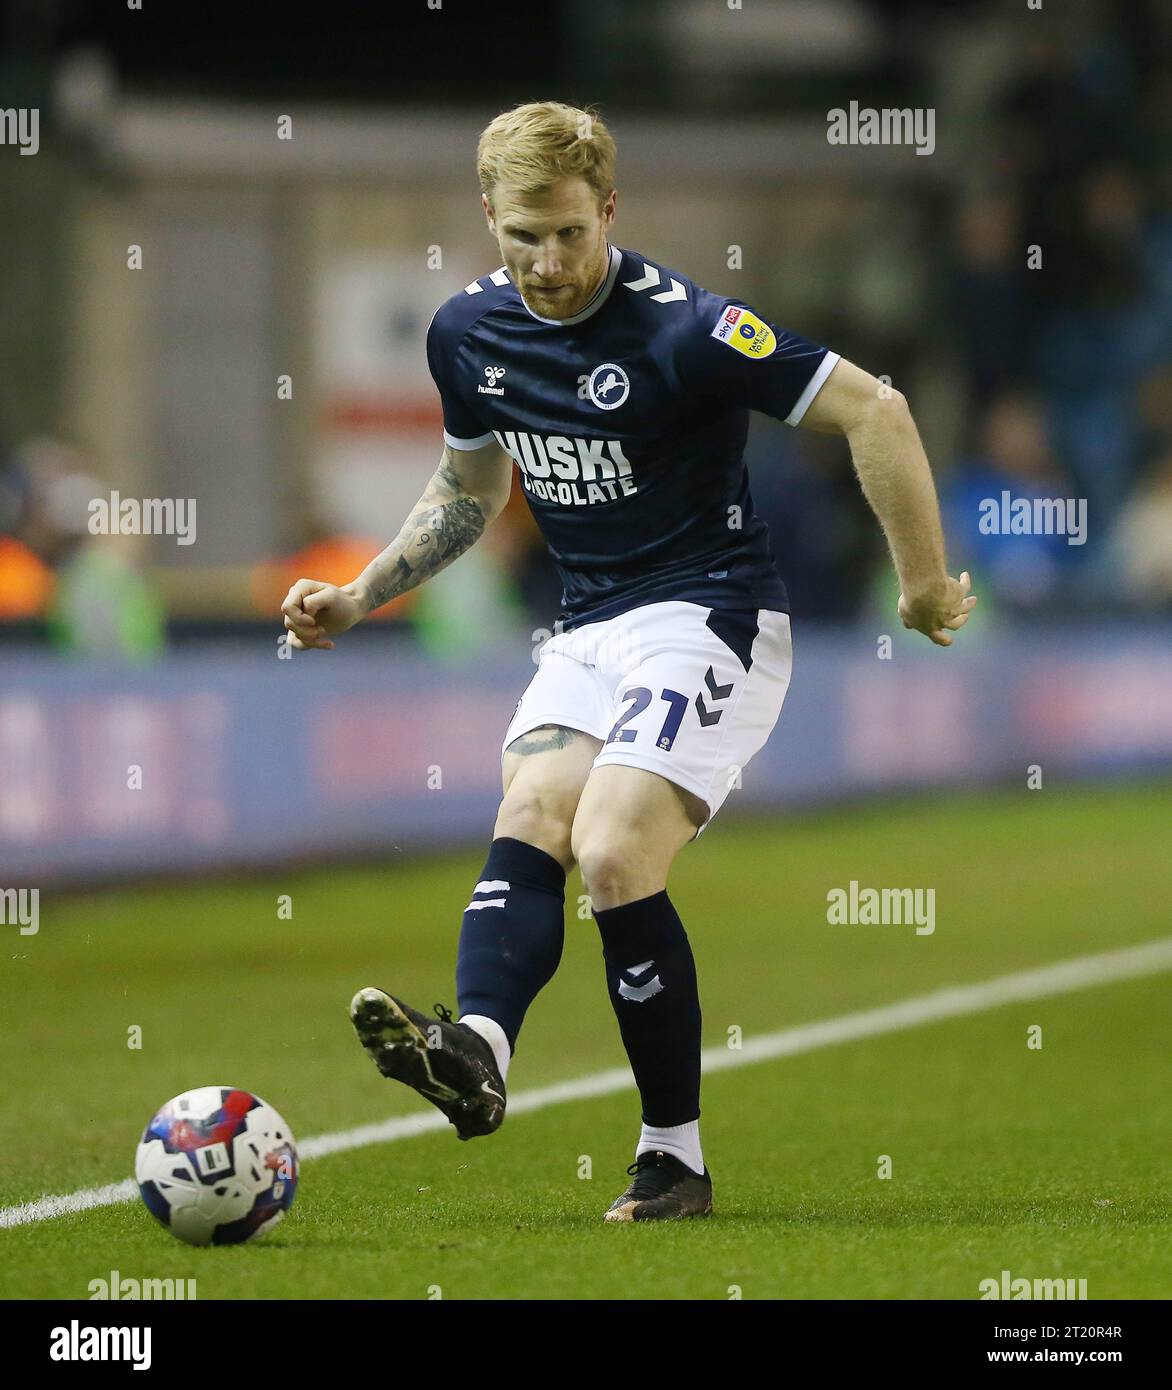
619, 390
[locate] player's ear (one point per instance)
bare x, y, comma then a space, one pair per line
488, 214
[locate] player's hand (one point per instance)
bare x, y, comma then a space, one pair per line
938, 614
315, 612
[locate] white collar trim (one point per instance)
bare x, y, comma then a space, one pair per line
597, 299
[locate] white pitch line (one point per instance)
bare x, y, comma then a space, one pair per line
1084, 972
45, 1208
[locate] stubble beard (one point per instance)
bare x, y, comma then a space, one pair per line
567, 304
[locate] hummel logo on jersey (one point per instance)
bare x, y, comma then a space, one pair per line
650, 278
498, 277
639, 994
591, 470
609, 386
494, 375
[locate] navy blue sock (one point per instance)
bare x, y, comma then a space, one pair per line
512, 934
651, 980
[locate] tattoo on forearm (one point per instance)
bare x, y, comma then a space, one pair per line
433, 535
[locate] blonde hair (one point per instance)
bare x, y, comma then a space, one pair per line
531, 147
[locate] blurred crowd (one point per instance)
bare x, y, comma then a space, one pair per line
1068, 366
86, 594
1044, 271
1049, 302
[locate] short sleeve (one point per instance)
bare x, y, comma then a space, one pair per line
462, 429
740, 358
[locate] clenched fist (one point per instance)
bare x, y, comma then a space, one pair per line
937, 614
315, 612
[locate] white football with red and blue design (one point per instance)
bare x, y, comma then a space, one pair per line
217, 1166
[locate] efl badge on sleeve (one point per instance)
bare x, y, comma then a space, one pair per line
742, 330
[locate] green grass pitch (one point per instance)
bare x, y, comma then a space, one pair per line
1049, 1163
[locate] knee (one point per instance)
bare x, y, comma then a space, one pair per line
606, 863
539, 817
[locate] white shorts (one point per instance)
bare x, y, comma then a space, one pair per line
685, 691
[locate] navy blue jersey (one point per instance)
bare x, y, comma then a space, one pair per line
627, 423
